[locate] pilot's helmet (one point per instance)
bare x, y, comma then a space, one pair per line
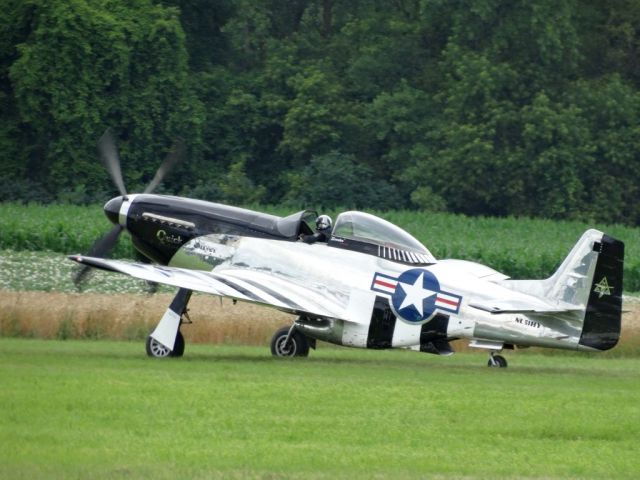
323, 222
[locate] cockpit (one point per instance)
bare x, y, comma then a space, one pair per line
367, 233
357, 231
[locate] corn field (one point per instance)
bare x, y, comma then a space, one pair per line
518, 247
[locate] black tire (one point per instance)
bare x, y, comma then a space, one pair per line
500, 362
178, 348
298, 345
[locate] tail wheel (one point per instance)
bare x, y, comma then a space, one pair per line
497, 361
297, 346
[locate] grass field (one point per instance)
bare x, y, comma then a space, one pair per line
104, 410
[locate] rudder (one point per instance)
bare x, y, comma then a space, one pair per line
601, 329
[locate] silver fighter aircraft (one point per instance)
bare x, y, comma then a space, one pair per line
371, 285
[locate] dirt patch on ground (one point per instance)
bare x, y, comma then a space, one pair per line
132, 317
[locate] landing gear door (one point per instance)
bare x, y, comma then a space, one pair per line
359, 310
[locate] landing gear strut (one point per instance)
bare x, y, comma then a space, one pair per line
167, 340
497, 361
288, 342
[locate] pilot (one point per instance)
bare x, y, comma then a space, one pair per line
323, 230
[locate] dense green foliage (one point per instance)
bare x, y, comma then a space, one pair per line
101, 410
519, 247
65, 229
476, 107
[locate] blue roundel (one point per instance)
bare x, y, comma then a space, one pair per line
415, 296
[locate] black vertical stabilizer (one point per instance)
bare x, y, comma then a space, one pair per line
601, 328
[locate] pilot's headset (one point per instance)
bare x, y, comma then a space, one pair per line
324, 223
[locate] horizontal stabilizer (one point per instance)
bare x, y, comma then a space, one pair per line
535, 306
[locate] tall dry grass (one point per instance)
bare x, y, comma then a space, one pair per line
132, 317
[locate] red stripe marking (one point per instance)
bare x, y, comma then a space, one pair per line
453, 303
384, 284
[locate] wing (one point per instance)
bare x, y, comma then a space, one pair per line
246, 285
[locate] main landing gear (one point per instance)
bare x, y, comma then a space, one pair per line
497, 361
288, 342
158, 350
167, 339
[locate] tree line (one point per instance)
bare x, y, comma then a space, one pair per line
483, 107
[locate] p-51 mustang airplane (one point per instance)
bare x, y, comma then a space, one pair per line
371, 285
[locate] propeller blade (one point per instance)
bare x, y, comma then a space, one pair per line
174, 155
100, 248
111, 160
105, 244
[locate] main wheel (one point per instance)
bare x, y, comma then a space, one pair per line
156, 349
297, 346
497, 361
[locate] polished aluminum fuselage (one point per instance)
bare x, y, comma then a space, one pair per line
337, 284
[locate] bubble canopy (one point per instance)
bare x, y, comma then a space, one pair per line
364, 227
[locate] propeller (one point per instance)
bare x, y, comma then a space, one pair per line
110, 158
101, 248
173, 157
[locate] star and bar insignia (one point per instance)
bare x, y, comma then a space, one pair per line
416, 295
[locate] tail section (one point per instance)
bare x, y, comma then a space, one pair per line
590, 278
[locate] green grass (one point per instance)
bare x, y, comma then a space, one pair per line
104, 410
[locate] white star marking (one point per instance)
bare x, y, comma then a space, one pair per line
415, 294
